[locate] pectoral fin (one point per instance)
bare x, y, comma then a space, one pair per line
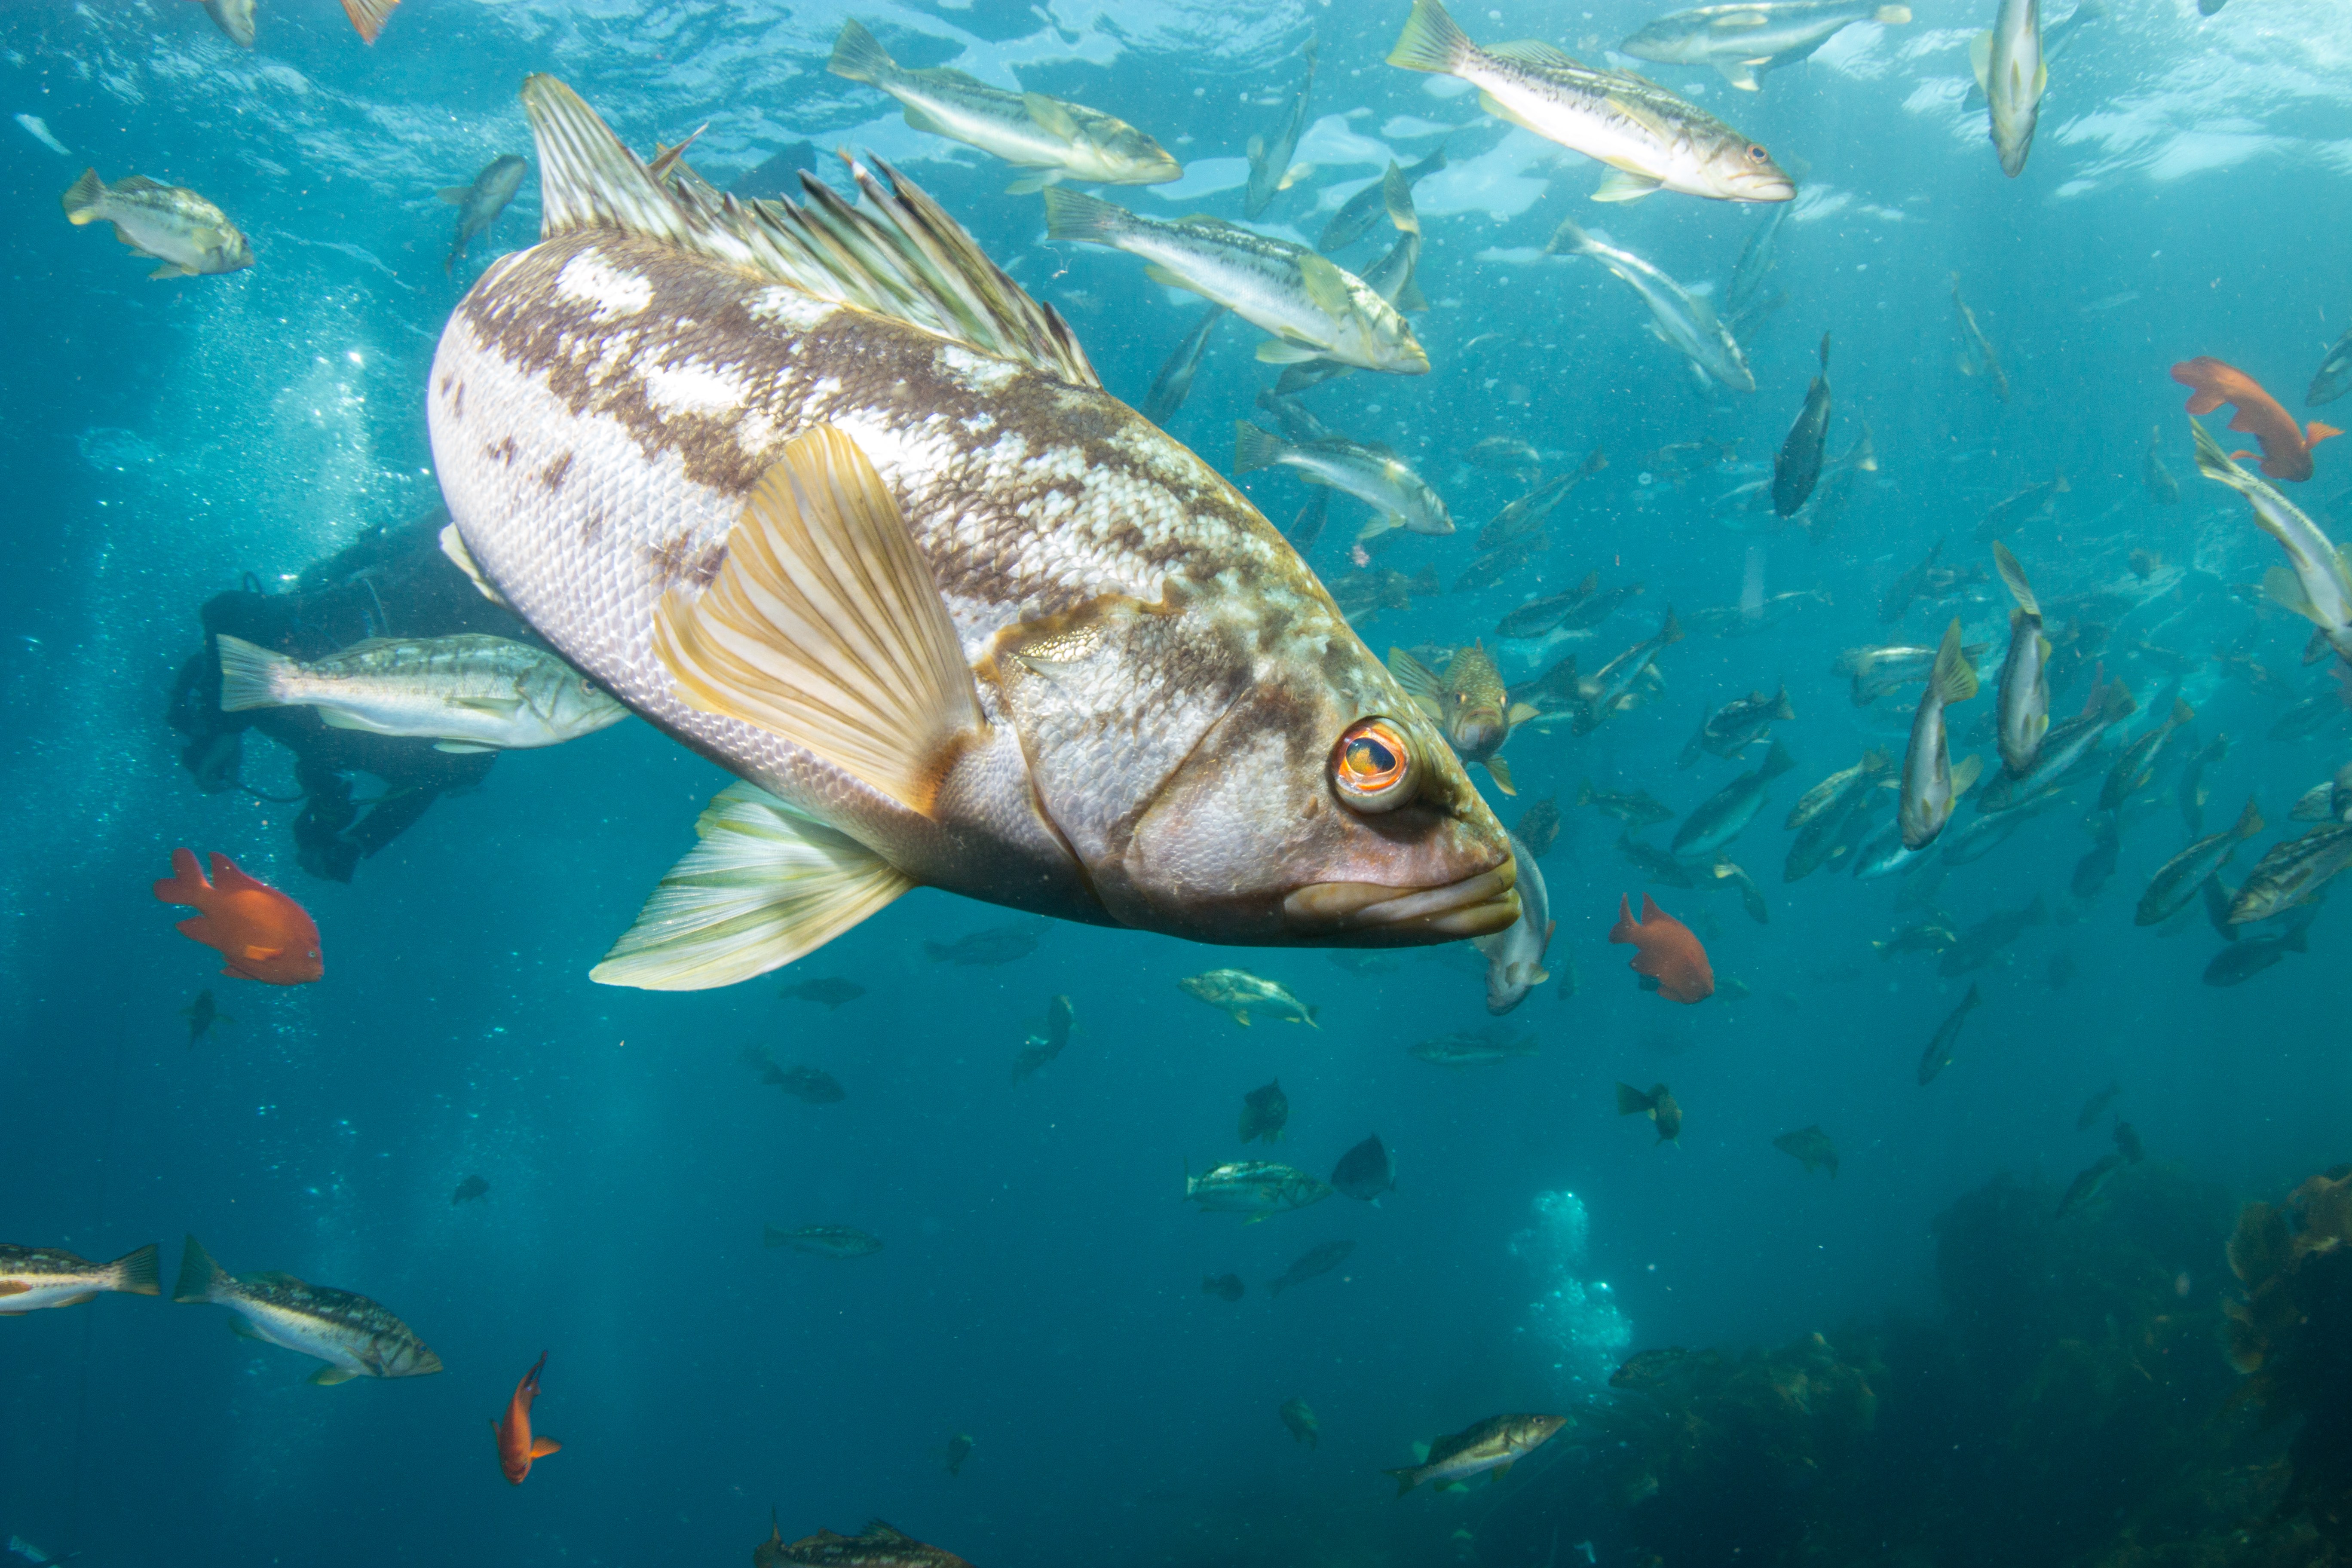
541, 1448
259, 954
1325, 286
1030, 185
1980, 60
1278, 350
456, 194
461, 748
1625, 186
1738, 74
765, 885
823, 626
328, 1376
1502, 771
171, 270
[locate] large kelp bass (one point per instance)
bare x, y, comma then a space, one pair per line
819, 490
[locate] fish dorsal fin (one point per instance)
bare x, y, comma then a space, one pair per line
898, 254
883, 1529
1420, 682
228, 879
823, 626
278, 1277
139, 183
1736, 20
328, 1376
1534, 52
763, 885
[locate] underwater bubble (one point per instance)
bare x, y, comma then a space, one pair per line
1644, 477
113, 451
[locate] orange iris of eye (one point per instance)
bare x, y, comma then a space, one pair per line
1371, 757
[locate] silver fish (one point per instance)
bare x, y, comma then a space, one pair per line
2292, 873
2176, 881
1515, 956
2055, 37
1489, 1448
1359, 211
1239, 993
776, 387
2068, 752
1745, 40
2023, 696
354, 1336
2332, 380
1174, 382
1270, 168
479, 204
2007, 59
1717, 820
167, 223
469, 693
33, 1278
1931, 785
2315, 584
1649, 138
1798, 465
1982, 357
38, 129
1373, 475
234, 18
1066, 140
1315, 308
1258, 1188
1681, 320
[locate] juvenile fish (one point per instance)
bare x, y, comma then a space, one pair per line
1930, 786
2023, 696
1682, 320
355, 1337
1798, 468
479, 204
167, 223
1258, 1188
469, 693
1065, 140
2176, 881
1271, 171
1983, 358
1174, 382
1298, 1419
1240, 994
1649, 138
1745, 40
1315, 308
1486, 1048
1938, 1055
838, 1241
33, 1278
1373, 475
2154, 477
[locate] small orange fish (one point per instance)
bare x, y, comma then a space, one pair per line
2286, 445
262, 933
516, 1447
1669, 957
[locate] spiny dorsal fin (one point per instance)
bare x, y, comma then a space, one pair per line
899, 255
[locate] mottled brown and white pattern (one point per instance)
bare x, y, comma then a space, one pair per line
1162, 677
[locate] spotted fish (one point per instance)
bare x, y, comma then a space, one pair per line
817, 490
354, 1336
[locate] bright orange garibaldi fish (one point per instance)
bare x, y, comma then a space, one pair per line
516, 1447
2286, 445
1668, 956
263, 934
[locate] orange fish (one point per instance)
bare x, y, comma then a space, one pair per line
516, 1447
262, 933
2286, 445
1670, 959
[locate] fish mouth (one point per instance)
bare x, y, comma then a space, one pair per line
1385, 916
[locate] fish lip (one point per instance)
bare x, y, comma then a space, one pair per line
1474, 906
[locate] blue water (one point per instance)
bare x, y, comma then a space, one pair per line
1039, 1285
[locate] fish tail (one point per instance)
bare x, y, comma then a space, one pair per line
1075, 216
1955, 679
859, 56
2013, 577
251, 675
1404, 1478
368, 17
1631, 1101
1626, 930
2250, 820
199, 1275
2319, 433
134, 1272
1431, 41
187, 884
81, 198
1255, 449
1569, 236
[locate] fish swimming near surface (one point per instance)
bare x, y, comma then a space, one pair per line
1681, 320
1666, 956
1930, 783
1359, 211
1659, 1105
2286, 445
2008, 63
1061, 140
1982, 357
2332, 380
261, 933
479, 204
38, 129
516, 1447
879, 1545
170, 224
1265, 1112
469, 1190
34, 1278
1938, 1054
203, 1015
1469, 703
1367, 1172
1311, 1265
1373, 475
1240, 994
1225, 1287
1747, 39
835, 1241
1271, 171
2316, 583
467, 693
368, 17
1799, 465
1173, 384
2154, 477
938, 718
1300, 1421
1651, 138
2035, 502
1489, 1447
1316, 309
234, 18
1258, 1188
830, 992
1811, 1147
354, 1336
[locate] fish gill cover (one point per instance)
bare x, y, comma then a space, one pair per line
2071, 1301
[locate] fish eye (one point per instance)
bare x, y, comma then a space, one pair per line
1757, 155
1373, 767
